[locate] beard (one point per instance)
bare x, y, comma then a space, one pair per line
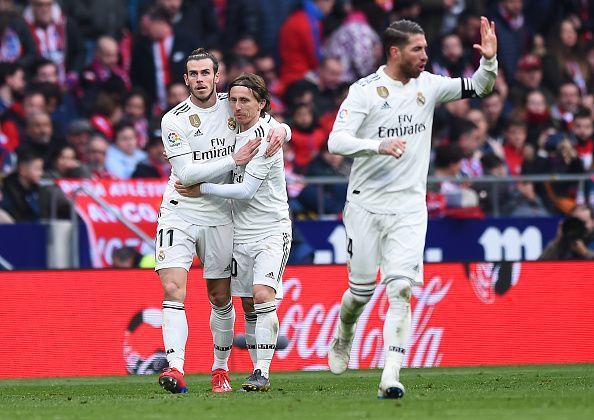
205, 98
410, 71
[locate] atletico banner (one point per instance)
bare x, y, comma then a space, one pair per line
108, 322
138, 201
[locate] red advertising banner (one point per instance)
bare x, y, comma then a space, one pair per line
136, 200
107, 322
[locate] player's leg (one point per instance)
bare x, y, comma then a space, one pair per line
363, 264
271, 256
401, 268
174, 253
250, 327
215, 250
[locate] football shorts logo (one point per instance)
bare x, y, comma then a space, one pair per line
383, 92
420, 99
161, 255
174, 139
194, 120
231, 123
343, 115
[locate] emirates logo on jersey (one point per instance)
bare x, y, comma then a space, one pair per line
231, 123
420, 99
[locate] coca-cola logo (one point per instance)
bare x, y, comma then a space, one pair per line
310, 325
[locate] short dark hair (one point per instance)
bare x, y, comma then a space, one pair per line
447, 154
258, 87
582, 112
398, 34
203, 54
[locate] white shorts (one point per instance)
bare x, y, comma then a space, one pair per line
177, 242
262, 262
392, 243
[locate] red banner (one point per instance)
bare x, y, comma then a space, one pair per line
136, 200
107, 322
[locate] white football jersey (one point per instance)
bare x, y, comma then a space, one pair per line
209, 135
377, 108
268, 211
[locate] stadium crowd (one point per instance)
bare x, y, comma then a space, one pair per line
84, 83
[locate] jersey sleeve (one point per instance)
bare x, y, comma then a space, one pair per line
352, 113
480, 84
260, 165
174, 137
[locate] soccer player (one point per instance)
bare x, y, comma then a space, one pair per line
385, 124
199, 139
262, 228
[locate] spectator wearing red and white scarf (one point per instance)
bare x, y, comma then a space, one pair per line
57, 38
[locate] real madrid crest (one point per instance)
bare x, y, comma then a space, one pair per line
231, 123
420, 99
161, 255
383, 92
194, 120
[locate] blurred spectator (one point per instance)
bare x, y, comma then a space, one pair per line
97, 18
107, 112
514, 138
570, 242
447, 163
492, 107
266, 68
38, 133
77, 136
356, 44
511, 200
57, 37
565, 160
307, 137
63, 164
135, 111
302, 92
44, 70
585, 213
300, 40
13, 120
123, 156
177, 92
582, 131
22, 197
566, 60
468, 30
513, 34
327, 119
16, 42
450, 61
240, 20
236, 65
487, 144
195, 17
537, 114
156, 165
567, 102
466, 135
528, 78
126, 257
441, 17
12, 85
326, 80
159, 58
96, 155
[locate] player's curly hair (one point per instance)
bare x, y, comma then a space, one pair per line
203, 54
258, 87
398, 34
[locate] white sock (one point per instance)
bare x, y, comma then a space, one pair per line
351, 308
250, 335
222, 320
396, 328
175, 333
266, 335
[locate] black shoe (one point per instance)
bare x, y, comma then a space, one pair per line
256, 382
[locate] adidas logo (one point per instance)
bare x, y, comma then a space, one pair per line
386, 106
416, 268
270, 275
170, 351
228, 268
197, 133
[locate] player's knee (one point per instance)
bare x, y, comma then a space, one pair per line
219, 298
174, 291
399, 290
263, 294
247, 303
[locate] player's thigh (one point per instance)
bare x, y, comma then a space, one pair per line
402, 246
175, 243
271, 255
363, 240
214, 246
242, 271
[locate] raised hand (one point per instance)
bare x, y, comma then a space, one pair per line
488, 45
247, 152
